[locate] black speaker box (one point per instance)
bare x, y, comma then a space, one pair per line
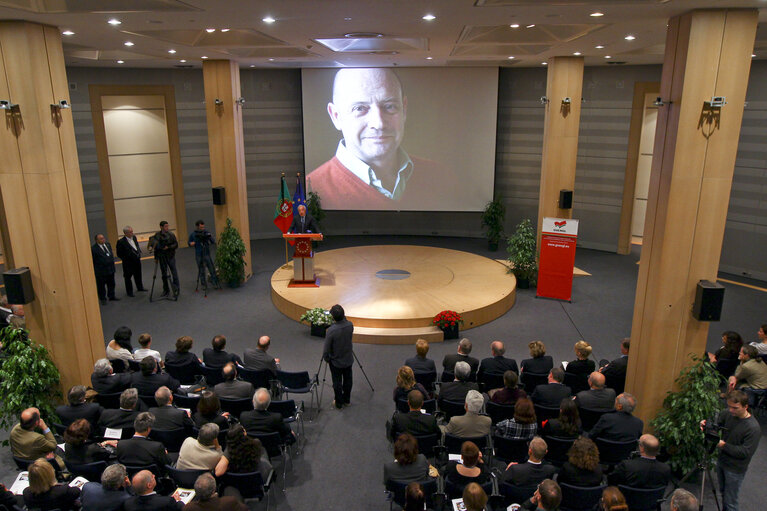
219, 195
709, 297
565, 199
18, 286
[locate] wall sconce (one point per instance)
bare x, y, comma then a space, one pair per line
240, 101
716, 102
6, 104
566, 101
544, 100
659, 102
218, 102
61, 105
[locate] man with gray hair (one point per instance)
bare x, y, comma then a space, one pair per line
140, 450
78, 408
167, 416
129, 251
105, 381
206, 498
124, 416
682, 500
260, 420
456, 390
201, 453
619, 425
108, 495
471, 424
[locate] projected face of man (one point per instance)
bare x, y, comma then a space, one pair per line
369, 109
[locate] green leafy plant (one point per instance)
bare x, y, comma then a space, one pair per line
492, 220
28, 378
314, 206
317, 316
521, 250
677, 425
230, 255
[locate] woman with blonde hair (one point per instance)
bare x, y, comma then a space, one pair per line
44, 493
581, 365
405, 383
541, 363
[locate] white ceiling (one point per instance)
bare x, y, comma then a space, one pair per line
306, 32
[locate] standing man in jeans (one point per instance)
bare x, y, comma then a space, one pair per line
339, 355
740, 438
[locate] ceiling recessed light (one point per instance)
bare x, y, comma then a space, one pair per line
599, 46
577, 53
347, 19
268, 19
429, 58
514, 25
608, 56
530, 26
510, 57
204, 57
171, 51
224, 30
121, 62
271, 59
114, 21
544, 63
209, 30
596, 14
630, 37
429, 17
128, 43
252, 65
182, 60
68, 32
753, 55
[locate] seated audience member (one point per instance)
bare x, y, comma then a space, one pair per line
547, 497
682, 500
464, 348
150, 378
644, 471
405, 383
751, 373
124, 416
258, 358
17, 319
140, 450
231, 387
415, 498
146, 498
613, 500
78, 408
209, 410
598, 397
201, 453
534, 470
471, 469
581, 365
414, 422
166, 416
731, 344
243, 454
497, 363
619, 425
206, 498
552, 393
456, 390
761, 344
471, 424
408, 465
182, 354
29, 444
474, 497
44, 493
145, 341
568, 424
523, 425
419, 363
260, 420
216, 356
120, 348
76, 447
582, 467
510, 392
108, 495
8, 499
105, 381
541, 363
615, 371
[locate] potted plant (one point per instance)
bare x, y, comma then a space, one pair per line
319, 318
314, 207
449, 322
230, 256
492, 220
677, 424
28, 378
521, 250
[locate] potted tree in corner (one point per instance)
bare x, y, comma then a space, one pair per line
521, 250
492, 220
230, 256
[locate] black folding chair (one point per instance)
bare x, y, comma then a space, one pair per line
453, 443
184, 478
576, 382
134, 366
543, 413
251, 485
490, 381
510, 449
395, 493
109, 400
299, 383
212, 375
611, 453
119, 366
557, 449
452, 408
427, 380
515, 494
135, 469
447, 376
257, 377
236, 406
428, 445
90, 471
643, 499
275, 447
499, 412
590, 417
532, 380
454, 490
171, 438
184, 373
580, 498
188, 402
291, 413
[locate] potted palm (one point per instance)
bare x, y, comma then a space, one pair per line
521, 250
492, 220
230, 256
320, 320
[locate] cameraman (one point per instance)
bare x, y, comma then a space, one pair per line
738, 443
165, 246
201, 240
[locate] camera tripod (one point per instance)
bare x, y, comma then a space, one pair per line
325, 374
202, 262
159, 260
704, 466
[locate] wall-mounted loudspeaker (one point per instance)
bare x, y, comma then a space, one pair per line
565, 199
18, 286
219, 195
709, 297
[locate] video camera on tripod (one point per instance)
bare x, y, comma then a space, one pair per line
712, 433
158, 243
204, 238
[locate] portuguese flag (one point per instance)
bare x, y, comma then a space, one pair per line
283, 212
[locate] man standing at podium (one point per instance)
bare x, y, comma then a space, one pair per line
303, 223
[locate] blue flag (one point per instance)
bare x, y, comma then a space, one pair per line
299, 198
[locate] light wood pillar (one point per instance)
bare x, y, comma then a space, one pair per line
564, 79
42, 200
708, 53
226, 146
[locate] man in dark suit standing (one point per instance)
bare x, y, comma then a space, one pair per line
644, 471
620, 425
338, 354
104, 267
139, 450
534, 470
262, 421
147, 499
552, 393
129, 251
303, 223
166, 416
497, 364
464, 348
414, 422
78, 408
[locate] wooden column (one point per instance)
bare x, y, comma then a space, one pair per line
42, 200
226, 146
708, 53
564, 79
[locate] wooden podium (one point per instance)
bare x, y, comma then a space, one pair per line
303, 260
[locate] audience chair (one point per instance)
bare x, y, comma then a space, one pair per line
149, 401
184, 373
58, 429
275, 448
454, 490
430, 406
189, 401
395, 493
428, 445
90, 471
427, 380
134, 366
643, 499
490, 381
250, 484
109, 400
447, 376
510, 449
258, 378
184, 478
119, 366
531, 380
21, 463
499, 412
580, 498
453, 443
171, 438
452, 408
299, 383
291, 413
212, 375
402, 406
590, 417
135, 469
727, 366
611, 453
576, 382
236, 406
557, 449
515, 494
543, 413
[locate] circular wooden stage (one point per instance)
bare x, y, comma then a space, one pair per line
392, 292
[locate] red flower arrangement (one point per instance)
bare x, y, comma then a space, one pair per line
447, 319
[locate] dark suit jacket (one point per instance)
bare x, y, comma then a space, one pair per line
217, 504
140, 451
148, 385
309, 224
540, 365
259, 359
550, 394
615, 374
584, 367
641, 473
88, 411
234, 389
497, 365
213, 358
117, 418
338, 344
103, 264
571, 474
110, 384
456, 390
125, 251
618, 427
169, 417
529, 474
421, 365
415, 423
261, 421
596, 399
448, 363
153, 502
86, 453
95, 498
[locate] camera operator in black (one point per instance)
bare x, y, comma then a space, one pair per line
165, 246
201, 240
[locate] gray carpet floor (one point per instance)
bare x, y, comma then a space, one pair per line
341, 465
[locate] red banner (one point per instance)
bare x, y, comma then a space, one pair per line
557, 260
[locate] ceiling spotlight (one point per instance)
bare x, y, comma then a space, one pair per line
204, 57
577, 53
114, 21
271, 59
544, 63
128, 43
347, 19
530, 26
753, 55
68, 32
429, 17
209, 30
429, 58
514, 25
268, 19
510, 57
596, 14
171, 51
182, 60
630, 37
599, 46
608, 56
224, 30
252, 65
121, 62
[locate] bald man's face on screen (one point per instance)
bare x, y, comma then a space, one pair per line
369, 109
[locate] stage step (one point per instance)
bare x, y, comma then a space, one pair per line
369, 335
